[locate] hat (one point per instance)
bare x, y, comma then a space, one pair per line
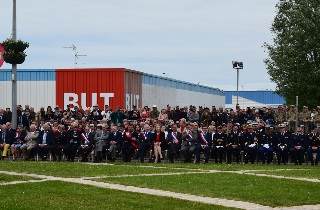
318, 107
281, 126
224, 125
300, 126
267, 126
249, 126
305, 107
254, 124
154, 106
291, 105
219, 127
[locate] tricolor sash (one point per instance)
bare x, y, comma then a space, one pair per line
85, 138
174, 137
203, 138
190, 134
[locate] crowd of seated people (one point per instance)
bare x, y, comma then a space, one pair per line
188, 134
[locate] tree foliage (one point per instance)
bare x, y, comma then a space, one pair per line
294, 57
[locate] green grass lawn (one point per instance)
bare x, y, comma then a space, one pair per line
313, 173
60, 195
11, 178
262, 190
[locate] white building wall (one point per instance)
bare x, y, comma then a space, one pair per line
34, 93
161, 96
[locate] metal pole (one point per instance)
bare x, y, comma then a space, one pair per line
297, 111
237, 87
14, 71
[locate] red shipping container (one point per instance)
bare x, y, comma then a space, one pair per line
104, 86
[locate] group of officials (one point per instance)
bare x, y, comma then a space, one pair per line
184, 139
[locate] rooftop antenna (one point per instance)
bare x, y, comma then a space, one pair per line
76, 55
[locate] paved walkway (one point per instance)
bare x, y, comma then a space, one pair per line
207, 200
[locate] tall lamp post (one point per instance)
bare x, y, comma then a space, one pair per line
237, 65
14, 71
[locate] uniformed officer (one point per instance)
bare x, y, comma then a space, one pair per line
313, 145
234, 142
219, 144
291, 117
282, 139
266, 144
280, 115
250, 144
297, 146
304, 118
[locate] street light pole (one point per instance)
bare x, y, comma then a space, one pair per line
237, 65
14, 70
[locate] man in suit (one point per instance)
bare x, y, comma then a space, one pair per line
174, 142
86, 143
3, 117
146, 139
100, 141
204, 143
5, 141
189, 141
73, 142
44, 142
30, 142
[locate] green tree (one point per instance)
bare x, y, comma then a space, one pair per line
294, 57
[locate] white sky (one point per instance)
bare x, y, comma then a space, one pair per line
189, 40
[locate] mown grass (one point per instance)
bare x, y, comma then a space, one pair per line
60, 195
262, 190
11, 178
313, 173
67, 169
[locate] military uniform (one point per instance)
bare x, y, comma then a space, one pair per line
297, 147
316, 118
250, 141
280, 115
313, 146
266, 145
282, 141
219, 144
304, 118
291, 117
234, 144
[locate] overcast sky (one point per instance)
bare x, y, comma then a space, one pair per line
189, 40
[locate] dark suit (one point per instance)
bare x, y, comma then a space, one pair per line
86, 145
173, 147
46, 138
73, 142
60, 141
146, 139
3, 119
204, 143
